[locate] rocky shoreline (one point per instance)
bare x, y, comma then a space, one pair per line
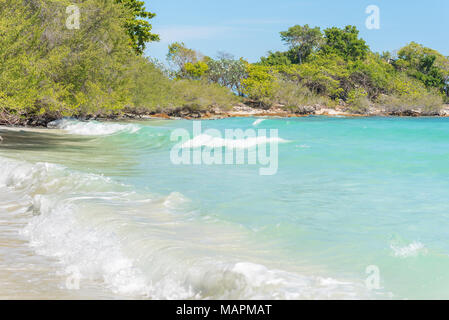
241, 110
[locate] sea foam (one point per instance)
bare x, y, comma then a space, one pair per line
205, 140
258, 121
92, 128
412, 250
132, 244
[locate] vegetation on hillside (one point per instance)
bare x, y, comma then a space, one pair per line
49, 71
338, 66
334, 67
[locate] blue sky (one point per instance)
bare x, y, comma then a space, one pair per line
250, 28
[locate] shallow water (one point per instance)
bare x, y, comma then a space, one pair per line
103, 204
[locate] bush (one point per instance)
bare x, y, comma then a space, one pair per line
406, 93
260, 83
358, 101
201, 95
295, 96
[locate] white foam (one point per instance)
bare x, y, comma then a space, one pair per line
205, 140
92, 128
261, 283
117, 238
258, 121
412, 250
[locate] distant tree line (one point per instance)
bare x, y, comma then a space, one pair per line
49, 71
334, 67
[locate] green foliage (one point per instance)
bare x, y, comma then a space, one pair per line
47, 70
137, 24
406, 93
323, 74
200, 95
150, 89
358, 100
425, 64
341, 68
280, 58
179, 56
196, 71
276, 59
260, 84
345, 42
373, 75
303, 40
294, 96
227, 71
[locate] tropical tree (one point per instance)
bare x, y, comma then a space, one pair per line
179, 56
345, 42
425, 64
227, 71
260, 85
195, 71
303, 40
137, 25
280, 58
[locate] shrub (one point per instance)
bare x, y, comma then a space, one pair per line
358, 100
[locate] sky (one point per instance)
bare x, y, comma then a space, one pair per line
250, 28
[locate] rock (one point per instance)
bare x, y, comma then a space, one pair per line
161, 115
329, 112
308, 109
444, 112
1, 139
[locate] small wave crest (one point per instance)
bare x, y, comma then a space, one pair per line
412, 250
258, 121
133, 244
92, 128
205, 140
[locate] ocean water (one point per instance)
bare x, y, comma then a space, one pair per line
358, 209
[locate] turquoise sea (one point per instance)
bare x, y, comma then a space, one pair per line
98, 210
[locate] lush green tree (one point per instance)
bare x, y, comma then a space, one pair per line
425, 64
324, 74
345, 42
48, 71
179, 56
227, 71
137, 24
279, 58
196, 71
260, 84
372, 75
303, 40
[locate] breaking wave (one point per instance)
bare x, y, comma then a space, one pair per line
412, 250
135, 243
258, 121
205, 140
92, 128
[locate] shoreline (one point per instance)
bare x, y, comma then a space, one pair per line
239, 111
244, 111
